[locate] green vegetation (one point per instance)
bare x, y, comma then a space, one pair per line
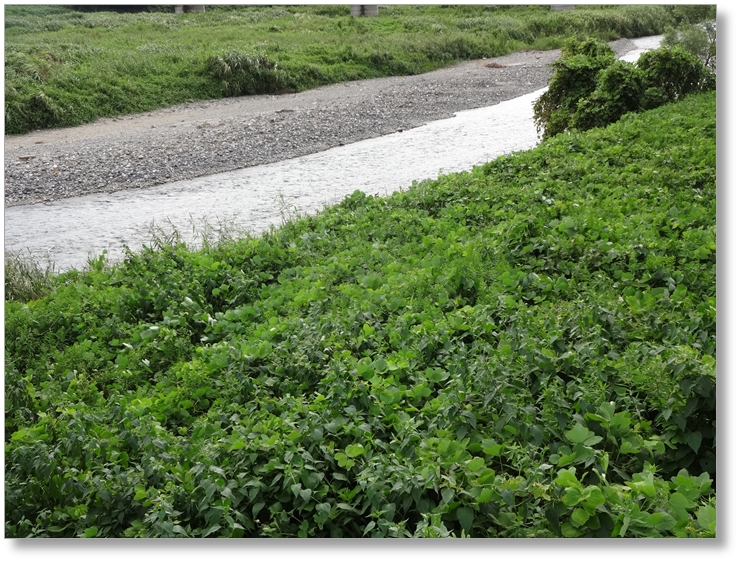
26, 277
524, 350
591, 89
698, 40
65, 67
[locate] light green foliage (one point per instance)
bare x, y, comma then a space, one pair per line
699, 40
524, 350
65, 67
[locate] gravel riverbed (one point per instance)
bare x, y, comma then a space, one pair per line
202, 138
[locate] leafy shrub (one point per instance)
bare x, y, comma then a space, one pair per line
576, 77
591, 89
620, 89
675, 73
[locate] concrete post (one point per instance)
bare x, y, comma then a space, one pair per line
364, 10
190, 9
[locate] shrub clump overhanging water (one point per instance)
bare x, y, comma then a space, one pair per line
590, 89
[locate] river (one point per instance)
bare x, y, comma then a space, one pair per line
252, 199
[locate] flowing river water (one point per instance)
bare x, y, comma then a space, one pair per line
252, 199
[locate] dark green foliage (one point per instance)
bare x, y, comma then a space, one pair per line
591, 89
575, 78
675, 73
525, 350
620, 90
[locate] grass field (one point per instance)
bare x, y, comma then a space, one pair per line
64, 67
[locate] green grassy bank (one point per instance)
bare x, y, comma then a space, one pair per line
65, 68
524, 350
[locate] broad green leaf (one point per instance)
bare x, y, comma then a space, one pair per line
212, 529
693, 440
566, 459
237, 445
661, 521
572, 497
625, 525
579, 517
706, 516
569, 531
593, 497
508, 497
447, 495
490, 447
486, 476
475, 464
486, 495
465, 516
631, 444
354, 450
679, 504
324, 507
369, 527
380, 365
567, 479
91, 532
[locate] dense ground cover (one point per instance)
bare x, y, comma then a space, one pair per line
524, 350
64, 68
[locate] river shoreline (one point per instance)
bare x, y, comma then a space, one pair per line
203, 138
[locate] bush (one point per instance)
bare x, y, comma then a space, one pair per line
675, 72
620, 89
575, 78
591, 89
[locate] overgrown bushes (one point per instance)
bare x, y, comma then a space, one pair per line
590, 89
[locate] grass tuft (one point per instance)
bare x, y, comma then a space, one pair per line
27, 277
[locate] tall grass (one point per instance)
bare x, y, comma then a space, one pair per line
27, 277
65, 68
